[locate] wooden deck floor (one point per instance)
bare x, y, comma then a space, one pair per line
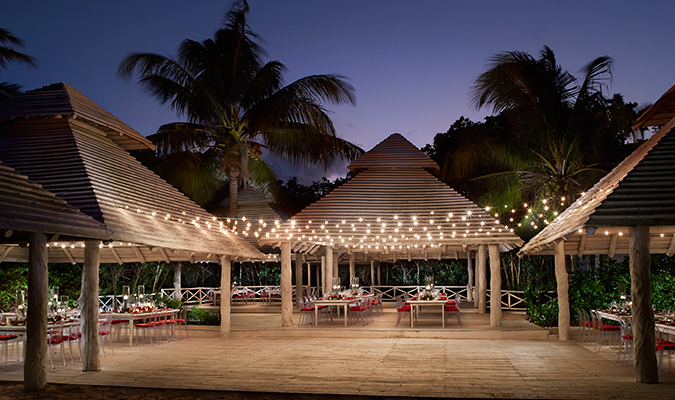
425, 367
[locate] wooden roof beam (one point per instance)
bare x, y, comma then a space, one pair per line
70, 256
671, 248
116, 255
164, 255
612, 245
139, 255
5, 253
582, 245
191, 256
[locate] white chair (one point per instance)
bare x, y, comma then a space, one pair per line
452, 307
306, 313
626, 337
5, 341
149, 328
53, 339
663, 346
105, 334
401, 309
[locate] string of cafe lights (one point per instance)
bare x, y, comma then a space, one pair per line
543, 211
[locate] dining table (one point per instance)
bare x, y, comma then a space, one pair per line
664, 326
439, 302
344, 302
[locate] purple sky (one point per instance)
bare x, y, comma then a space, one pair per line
412, 63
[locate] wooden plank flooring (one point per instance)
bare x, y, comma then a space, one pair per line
455, 368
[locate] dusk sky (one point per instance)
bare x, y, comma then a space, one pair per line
412, 62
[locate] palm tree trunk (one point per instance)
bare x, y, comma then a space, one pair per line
234, 191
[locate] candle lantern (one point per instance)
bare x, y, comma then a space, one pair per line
125, 296
141, 294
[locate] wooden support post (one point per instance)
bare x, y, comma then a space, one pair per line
324, 276
225, 295
352, 268
643, 316
372, 276
469, 267
91, 347
379, 275
35, 360
495, 286
336, 265
482, 279
309, 278
177, 289
286, 290
298, 279
563, 294
329, 267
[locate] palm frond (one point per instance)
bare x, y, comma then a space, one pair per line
178, 137
197, 176
8, 54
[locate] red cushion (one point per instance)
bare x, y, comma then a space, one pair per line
403, 309
450, 308
607, 327
359, 308
664, 345
307, 309
54, 341
179, 320
8, 337
103, 333
451, 302
627, 337
321, 307
118, 321
145, 325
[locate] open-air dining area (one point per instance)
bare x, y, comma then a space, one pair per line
528, 255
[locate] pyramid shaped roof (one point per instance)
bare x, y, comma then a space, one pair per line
393, 209
640, 191
96, 176
60, 100
393, 152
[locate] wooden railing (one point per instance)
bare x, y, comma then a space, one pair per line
511, 299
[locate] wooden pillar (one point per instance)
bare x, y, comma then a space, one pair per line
91, 347
469, 267
177, 295
336, 266
309, 278
225, 295
482, 279
372, 276
495, 286
379, 275
643, 316
324, 276
329, 267
298, 279
563, 294
352, 267
286, 290
35, 361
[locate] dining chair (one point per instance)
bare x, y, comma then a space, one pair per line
452, 306
181, 320
148, 328
360, 312
602, 329
401, 308
306, 313
71, 334
105, 334
663, 346
6, 340
626, 337
54, 340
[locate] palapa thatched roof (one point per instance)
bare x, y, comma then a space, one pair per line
69, 155
640, 191
394, 208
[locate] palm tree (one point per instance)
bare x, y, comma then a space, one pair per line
554, 136
236, 106
9, 55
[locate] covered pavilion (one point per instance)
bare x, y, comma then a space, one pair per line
629, 211
72, 193
394, 208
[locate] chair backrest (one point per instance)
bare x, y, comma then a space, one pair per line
399, 302
626, 327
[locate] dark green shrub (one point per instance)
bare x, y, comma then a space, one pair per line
198, 316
